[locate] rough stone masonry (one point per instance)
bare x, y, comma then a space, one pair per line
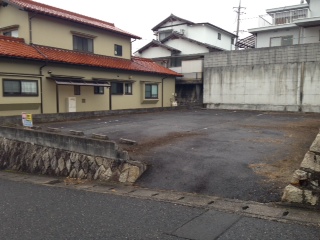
304, 186
62, 155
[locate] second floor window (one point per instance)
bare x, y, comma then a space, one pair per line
285, 17
117, 50
219, 36
281, 41
10, 33
176, 62
164, 34
7, 34
82, 44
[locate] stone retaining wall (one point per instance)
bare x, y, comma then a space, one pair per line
304, 186
41, 152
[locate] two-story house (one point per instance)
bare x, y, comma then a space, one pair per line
180, 45
289, 25
54, 61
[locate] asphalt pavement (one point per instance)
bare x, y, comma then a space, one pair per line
37, 207
245, 155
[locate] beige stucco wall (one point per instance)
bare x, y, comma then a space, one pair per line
12, 16
13, 69
87, 101
137, 99
169, 89
96, 102
92, 102
58, 33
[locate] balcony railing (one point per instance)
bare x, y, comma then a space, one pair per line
192, 77
284, 17
265, 21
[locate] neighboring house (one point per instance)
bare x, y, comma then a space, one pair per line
290, 25
54, 61
181, 46
247, 42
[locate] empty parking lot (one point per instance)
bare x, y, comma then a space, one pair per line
245, 155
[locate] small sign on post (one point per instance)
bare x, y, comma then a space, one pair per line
27, 120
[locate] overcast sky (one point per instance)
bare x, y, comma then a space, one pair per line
140, 16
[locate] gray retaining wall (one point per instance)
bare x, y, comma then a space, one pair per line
277, 79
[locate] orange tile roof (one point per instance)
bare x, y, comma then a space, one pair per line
17, 48
33, 6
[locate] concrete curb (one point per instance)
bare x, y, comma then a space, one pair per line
271, 211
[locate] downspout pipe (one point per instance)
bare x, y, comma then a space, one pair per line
30, 28
41, 79
162, 87
40, 69
131, 45
41, 72
110, 99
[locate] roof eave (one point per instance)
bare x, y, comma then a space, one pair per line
190, 40
87, 24
214, 26
166, 19
83, 23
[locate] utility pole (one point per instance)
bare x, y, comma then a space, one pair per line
239, 12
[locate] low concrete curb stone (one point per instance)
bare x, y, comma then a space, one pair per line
127, 141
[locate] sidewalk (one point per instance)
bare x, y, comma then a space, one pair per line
197, 217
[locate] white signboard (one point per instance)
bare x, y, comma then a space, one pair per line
27, 120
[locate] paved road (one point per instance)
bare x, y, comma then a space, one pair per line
243, 155
33, 211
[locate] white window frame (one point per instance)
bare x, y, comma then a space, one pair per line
281, 41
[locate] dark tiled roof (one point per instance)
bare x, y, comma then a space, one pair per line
155, 43
176, 35
218, 28
33, 6
17, 48
175, 18
170, 19
248, 42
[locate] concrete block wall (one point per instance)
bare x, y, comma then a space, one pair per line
58, 117
304, 187
277, 78
57, 154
